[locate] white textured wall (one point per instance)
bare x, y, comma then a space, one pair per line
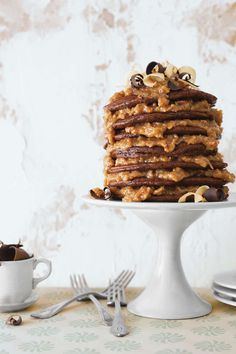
60, 61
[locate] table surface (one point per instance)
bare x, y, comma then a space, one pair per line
79, 330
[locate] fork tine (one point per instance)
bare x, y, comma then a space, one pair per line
122, 295
123, 280
109, 292
77, 282
86, 287
80, 282
72, 282
118, 278
118, 293
114, 292
128, 279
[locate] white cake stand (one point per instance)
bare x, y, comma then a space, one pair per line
168, 295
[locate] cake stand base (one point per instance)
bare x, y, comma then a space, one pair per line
168, 294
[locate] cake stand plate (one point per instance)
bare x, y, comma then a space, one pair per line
168, 295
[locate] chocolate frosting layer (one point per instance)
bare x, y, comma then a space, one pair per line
129, 102
181, 149
192, 94
161, 117
168, 165
157, 182
185, 94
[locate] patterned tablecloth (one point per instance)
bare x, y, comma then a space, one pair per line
78, 330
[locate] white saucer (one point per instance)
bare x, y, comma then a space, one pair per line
225, 299
223, 290
226, 279
20, 306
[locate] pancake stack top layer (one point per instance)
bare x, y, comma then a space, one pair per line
162, 140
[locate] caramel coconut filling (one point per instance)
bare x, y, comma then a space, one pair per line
201, 106
200, 160
158, 130
168, 144
160, 95
130, 194
176, 175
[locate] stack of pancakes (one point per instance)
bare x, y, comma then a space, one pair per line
162, 139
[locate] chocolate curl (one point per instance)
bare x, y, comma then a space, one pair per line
214, 195
190, 198
172, 86
98, 193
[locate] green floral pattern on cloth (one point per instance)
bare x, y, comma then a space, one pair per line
36, 346
125, 345
83, 337
167, 337
78, 330
213, 346
84, 323
173, 351
43, 331
6, 337
82, 351
165, 324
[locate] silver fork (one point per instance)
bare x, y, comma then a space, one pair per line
80, 285
55, 309
116, 294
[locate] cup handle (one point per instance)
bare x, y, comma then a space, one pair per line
49, 266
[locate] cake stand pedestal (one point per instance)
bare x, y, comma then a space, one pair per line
168, 295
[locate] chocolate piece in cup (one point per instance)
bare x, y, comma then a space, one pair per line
12, 252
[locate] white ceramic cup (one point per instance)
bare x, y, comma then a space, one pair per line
17, 281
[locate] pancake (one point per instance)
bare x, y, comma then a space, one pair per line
133, 100
181, 149
160, 117
157, 182
178, 130
164, 166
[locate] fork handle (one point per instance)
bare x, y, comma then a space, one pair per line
55, 309
104, 314
118, 327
